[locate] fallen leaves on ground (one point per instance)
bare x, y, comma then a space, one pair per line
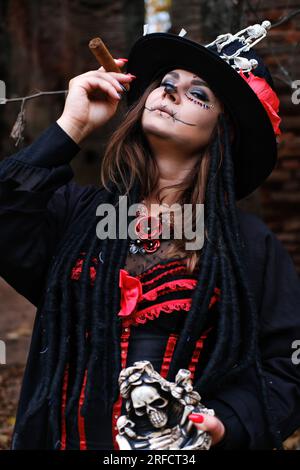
10, 382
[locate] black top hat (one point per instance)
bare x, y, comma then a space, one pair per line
255, 146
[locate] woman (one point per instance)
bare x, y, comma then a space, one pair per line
228, 311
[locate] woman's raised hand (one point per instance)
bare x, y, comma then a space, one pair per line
92, 100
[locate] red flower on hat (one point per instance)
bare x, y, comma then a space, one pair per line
131, 293
267, 96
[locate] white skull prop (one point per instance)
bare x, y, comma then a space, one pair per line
147, 400
125, 426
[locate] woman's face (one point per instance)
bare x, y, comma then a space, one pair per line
191, 108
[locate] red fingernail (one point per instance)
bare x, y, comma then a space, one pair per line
125, 60
196, 418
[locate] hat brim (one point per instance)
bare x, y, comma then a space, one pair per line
255, 147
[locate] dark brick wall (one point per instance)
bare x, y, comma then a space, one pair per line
46, 44
280, 194
277, 201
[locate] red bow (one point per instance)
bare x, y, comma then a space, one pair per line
131, 293
267, 97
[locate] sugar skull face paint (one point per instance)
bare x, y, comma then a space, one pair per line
183, 109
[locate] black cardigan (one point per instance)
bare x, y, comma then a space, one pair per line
38, 202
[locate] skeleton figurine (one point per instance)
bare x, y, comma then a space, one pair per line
248, 38
158, 410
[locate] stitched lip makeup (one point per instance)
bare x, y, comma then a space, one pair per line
162, 112
169, 113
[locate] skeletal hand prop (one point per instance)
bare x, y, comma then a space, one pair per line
158, 410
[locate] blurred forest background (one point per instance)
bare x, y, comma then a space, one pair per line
43, 44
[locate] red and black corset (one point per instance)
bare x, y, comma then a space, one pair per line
153, 308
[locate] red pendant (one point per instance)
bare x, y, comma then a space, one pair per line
148, 228
152, 246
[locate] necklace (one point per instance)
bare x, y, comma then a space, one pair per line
148, 229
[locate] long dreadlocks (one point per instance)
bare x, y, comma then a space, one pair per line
95, 309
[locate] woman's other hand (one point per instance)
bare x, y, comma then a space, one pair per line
212, 424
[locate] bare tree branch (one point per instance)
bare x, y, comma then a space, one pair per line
29, 97
19, 125
286, 18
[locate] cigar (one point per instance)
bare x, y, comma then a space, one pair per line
105, 59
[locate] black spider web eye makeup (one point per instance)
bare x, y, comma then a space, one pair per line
198, 93
201, 97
